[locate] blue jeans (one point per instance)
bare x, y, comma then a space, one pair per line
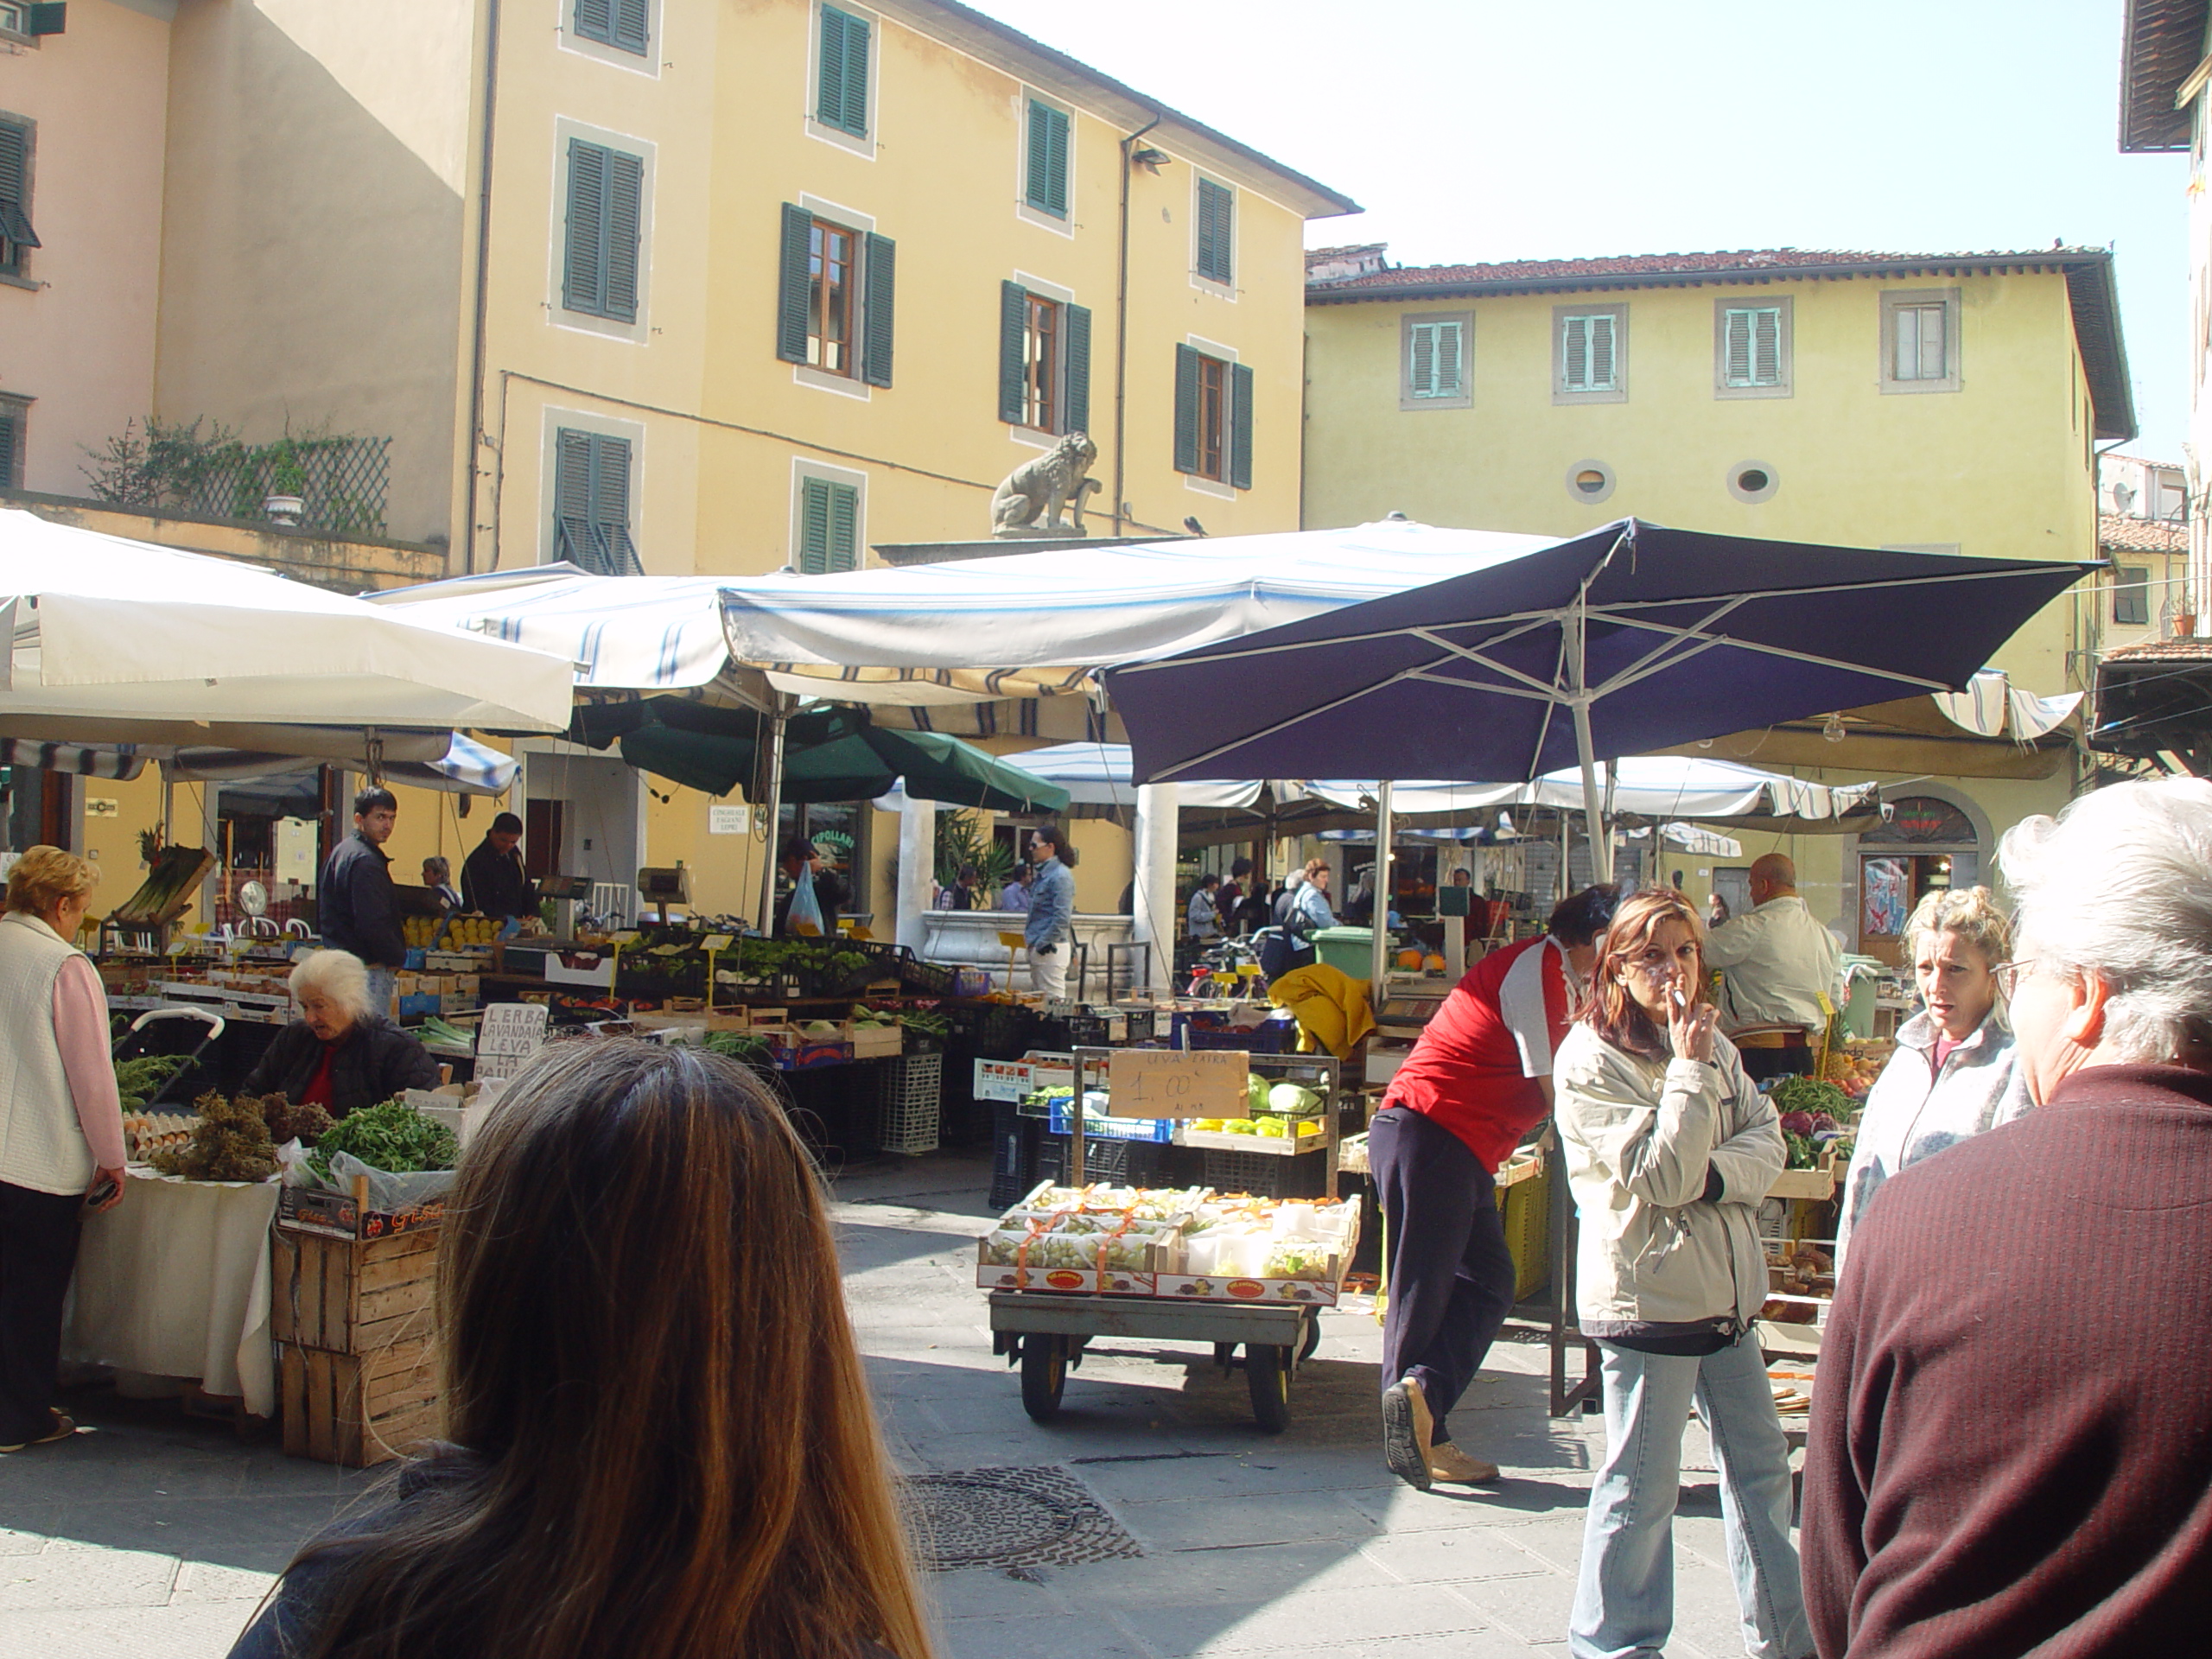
382, 982
1625, 1595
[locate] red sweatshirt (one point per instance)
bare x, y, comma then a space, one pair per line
2012, 1438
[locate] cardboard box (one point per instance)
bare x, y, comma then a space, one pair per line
1014, 1080
580, 967
414, 1005
1219, 1287
335, 1215
991, 1275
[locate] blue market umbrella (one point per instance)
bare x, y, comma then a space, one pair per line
1630, 639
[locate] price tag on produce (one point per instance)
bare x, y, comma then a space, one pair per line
1179, 1083
716, 944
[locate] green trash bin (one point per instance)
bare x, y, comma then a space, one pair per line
1348, 949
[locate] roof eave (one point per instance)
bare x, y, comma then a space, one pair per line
2161, 43
1030, 61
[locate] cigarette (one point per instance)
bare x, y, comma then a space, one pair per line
1677, 993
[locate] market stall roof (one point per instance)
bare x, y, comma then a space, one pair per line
829, 755
1097, 774
108, 632
2155, 699
465, 768
1650, 788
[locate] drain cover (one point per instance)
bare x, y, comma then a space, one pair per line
1010, 1517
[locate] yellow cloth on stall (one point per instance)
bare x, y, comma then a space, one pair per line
1331, 1006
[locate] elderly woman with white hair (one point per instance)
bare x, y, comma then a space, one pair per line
2008, 1451
1955, 1072
342, 1053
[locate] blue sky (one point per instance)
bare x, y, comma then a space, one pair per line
1474, 129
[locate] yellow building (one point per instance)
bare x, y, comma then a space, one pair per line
1942, 402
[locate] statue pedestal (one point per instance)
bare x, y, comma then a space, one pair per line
904, 553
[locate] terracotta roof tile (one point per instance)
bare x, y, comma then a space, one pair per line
2132, 535
1748, 262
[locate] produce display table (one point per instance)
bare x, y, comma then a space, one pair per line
174, 1281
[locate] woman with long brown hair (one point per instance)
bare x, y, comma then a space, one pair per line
1669, 1150
663, 1444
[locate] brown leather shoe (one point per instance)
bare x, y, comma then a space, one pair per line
1407, 1425
1448, 1462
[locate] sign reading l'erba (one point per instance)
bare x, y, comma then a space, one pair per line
1179, 1082
510, 1033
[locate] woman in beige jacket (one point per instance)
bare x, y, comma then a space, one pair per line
1669, 1150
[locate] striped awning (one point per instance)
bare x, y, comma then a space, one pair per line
86, 760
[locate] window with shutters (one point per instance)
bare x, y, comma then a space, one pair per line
1434, 366
835, 303
18, 239
591, 503
2131, 596
826, 524
15, 419
603, 232
1589, 354
1214, 236
843, 101
1751, 348
1213, 418
1920, 339
1044, 361
1046, 151
625, 25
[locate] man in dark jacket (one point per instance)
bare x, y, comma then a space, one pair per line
492, 881
802, 861
354, 902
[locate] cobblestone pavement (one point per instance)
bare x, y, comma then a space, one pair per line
155, 1536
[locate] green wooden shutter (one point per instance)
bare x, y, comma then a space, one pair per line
1186, 410
1450, 357
842, 99
1013, 353
583, 281
626, 177
629, 30
610, 506
1216, 231
1737, 348
1766, 346
1601, 353
1240, 426
879, 273
844, 527
15, 209
791, 318
1047, 173
1574, 354
7, 479
595, 20
572, 514
1075, 383
813, 527
1420, 367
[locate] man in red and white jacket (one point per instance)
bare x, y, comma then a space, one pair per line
1478, 1080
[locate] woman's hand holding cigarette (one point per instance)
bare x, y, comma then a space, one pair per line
1690, 1027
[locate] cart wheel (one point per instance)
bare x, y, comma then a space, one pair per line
1312, 1338
1044, 1373
1266, 1372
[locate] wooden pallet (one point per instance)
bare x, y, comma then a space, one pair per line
357, 1409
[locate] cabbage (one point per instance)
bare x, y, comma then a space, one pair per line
1293, 1100
1255, 1091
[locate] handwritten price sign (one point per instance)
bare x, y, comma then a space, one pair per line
1179, 1082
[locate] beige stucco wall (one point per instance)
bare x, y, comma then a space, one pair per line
720, 110
312, 230
346, 567
79, 339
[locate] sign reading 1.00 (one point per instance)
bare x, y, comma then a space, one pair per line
1179, 1082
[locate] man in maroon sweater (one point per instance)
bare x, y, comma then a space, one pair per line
2011, 1440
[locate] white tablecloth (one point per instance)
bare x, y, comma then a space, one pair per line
174, 1281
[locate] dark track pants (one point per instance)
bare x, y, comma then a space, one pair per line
1451, 1276
38, 1252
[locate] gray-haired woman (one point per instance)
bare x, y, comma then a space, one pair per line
342, 1053
1957, 1072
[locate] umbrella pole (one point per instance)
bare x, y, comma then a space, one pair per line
1378, 920
775, 806
1593, 807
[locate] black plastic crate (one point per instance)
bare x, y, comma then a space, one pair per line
1273, 1037
1125, 1163
1266, 1174
1014, 1153
1141, 1025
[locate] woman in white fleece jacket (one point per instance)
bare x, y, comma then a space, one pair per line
1669, 1149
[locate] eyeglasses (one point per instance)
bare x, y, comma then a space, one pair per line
2008, 975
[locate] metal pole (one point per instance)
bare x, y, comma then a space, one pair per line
1593, 810
1378, 923
774, 734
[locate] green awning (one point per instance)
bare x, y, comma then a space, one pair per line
829, 755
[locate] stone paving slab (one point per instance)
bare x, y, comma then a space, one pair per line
156, 1534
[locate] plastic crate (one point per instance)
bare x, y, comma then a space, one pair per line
1014, 1153
907, 1104
1141, 1024
1273, 1037
1160, 1129
1125, 1163
1265, 1175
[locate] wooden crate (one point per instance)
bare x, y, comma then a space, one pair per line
357, 1409
354, 1296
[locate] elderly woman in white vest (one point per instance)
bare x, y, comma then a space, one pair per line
1955, 1072
60, 1127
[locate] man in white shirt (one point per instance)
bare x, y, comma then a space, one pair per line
1776, 964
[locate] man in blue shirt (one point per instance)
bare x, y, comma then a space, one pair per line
1051, 914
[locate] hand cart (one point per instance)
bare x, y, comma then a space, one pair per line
1045, 1333
155, 1033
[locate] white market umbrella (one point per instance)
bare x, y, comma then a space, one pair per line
108, 632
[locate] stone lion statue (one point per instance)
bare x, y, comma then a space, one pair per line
1035, 492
